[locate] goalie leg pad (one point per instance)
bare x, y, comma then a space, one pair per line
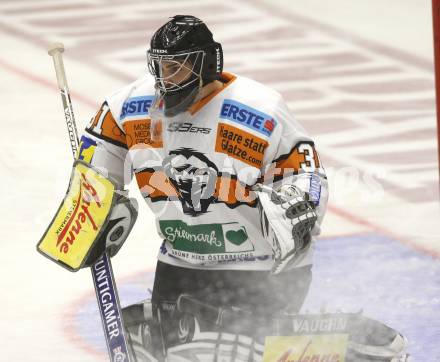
371, 340
143, 331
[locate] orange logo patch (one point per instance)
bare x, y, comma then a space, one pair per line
138, 133
240, 145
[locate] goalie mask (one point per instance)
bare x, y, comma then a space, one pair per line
183, 57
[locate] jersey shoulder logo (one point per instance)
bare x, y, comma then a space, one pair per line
136, 106
104, 126
247, 116
86, 149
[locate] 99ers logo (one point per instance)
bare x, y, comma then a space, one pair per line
187, 127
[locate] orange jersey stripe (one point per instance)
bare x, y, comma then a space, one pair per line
294, 161
226, 78
104, 126
157, 186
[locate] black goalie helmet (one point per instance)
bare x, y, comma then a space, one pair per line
183, 57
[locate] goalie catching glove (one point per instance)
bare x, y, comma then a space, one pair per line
93, 218
287, 217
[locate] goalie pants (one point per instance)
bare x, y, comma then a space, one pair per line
257, 291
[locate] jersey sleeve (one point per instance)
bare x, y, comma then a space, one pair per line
293, 159
103, 145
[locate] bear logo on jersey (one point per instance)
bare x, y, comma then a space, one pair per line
194, 176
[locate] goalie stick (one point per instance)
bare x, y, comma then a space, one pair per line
102, 272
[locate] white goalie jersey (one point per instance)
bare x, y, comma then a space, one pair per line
196, 170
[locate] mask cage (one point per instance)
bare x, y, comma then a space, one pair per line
168, 80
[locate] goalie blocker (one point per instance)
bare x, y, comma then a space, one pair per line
92, 218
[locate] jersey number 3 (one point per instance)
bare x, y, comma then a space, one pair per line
309, 165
